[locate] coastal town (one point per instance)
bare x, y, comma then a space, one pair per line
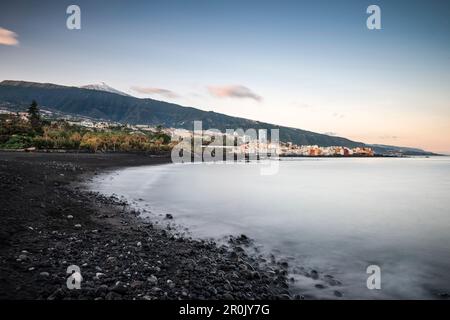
232, 143
246, 146
290, 149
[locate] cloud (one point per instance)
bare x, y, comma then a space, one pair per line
388, 137
301, 105
8, 38
330, 133
150, 90
338, 115
233, 91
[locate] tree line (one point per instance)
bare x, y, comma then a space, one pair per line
33, 131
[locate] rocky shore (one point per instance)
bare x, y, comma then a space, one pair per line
49, 222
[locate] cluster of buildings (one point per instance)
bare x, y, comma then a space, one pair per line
290, 149
23, 116
254, 146
90, 124
103, 125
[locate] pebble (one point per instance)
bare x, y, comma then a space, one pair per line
136, 284
113, 296
337, 293
56, 294
227, 296
170, 284
153, 280
120, 289
22, 257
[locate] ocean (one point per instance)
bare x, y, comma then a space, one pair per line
337, 216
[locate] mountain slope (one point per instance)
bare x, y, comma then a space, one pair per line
104, 87
115, 107
126, 109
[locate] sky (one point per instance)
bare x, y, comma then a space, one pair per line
312, 65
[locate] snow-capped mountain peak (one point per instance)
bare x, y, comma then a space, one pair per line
104, 87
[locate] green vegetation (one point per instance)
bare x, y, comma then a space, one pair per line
21, 131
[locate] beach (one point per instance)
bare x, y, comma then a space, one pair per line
50, 222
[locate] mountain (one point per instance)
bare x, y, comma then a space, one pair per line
403, 150
111, 106
104, 87
106, 105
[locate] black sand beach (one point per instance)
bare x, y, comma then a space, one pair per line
49, 222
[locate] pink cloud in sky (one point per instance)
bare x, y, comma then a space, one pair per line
150, 90
233, 91
8, 38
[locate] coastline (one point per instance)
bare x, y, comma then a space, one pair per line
49, 222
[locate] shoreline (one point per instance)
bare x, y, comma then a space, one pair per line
50, 222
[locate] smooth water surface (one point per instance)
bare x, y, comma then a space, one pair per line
335, 215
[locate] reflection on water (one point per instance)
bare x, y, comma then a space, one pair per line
336, 216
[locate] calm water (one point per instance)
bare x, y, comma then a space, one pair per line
336, 216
